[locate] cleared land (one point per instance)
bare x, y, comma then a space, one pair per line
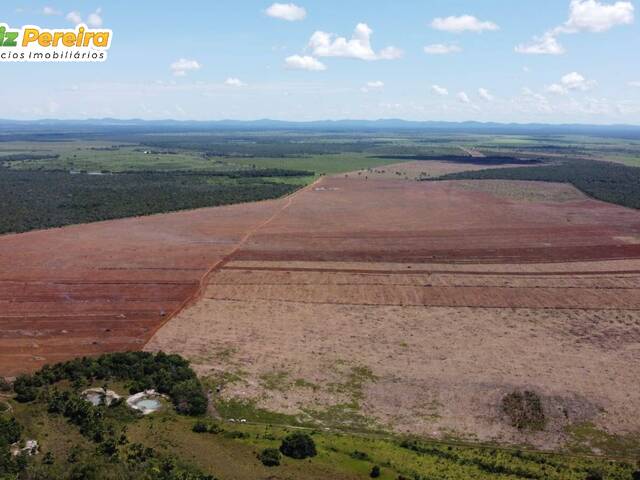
416, 307
376, 304
108, 286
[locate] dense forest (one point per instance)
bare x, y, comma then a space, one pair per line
42, 199
609, 182
467, 160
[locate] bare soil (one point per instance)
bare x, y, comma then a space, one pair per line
415, 306
418, 306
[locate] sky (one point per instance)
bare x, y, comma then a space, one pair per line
551, 61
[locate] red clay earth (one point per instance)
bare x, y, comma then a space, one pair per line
109, 286
102, 287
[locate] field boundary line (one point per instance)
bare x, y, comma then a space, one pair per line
204, 280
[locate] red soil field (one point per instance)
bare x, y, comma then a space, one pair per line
397, 221
109, 286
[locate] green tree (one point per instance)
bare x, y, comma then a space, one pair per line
298, 446
270, 457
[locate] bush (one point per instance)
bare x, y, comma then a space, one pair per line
375, 472
298, 446
357, 455
188, 397
200, 427
270, 457
524, 410
84, 472
5, 386
10, 430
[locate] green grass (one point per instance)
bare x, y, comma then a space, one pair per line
585, 438
236, 458
321, 164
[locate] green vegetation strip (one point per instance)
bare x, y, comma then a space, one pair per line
81, 441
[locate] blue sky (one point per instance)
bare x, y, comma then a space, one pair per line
488, 60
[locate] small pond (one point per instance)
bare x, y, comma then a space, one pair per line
145, 402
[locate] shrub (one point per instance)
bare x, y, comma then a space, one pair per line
84, 472
5, 386
357, 455
375, 472
524, 410
200, 427
188, 397
270, 457
10, 430
298, 446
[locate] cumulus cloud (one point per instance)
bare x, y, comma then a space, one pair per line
181, 67
635, 84
234, 82
594, 16
438, 90
485, 95
95, 19
370, 86
74, 17
584, 15
390, 53
463, 97
359, 46
50, 11
441, 49
463, 23
571, 81
286, 11
546, 44
306, 62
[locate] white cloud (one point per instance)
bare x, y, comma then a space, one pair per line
286, 11
95, 19
463, 23
527, 92
306, 62
557, 89
438, 90
575, 81
441, 49
584, 15
635, 84
390, 53
50, 11
571, 81
370, 86
359, 46
547, 44
74, 17
594, 16
182, 66
485, 95
463, 97
234, 82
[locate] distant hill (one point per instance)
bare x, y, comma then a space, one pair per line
109, 124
